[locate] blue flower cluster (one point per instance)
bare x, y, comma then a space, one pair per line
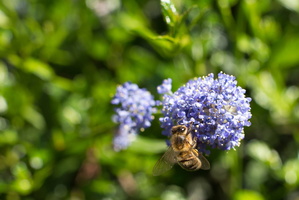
217, 110
134, 114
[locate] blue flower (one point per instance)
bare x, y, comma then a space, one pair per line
123, 137
134, 113
165, 87
217, 110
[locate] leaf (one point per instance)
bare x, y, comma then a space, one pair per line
187, 12
33, 117
148, 146
283, 55
247, 195
169, 12
291, 172
39, 68
262, 152
291, 5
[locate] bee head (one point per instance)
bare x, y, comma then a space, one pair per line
179, 129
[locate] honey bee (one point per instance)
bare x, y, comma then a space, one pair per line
182, 151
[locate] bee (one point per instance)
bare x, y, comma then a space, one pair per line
182, 151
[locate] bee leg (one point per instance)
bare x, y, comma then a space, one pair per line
195, 151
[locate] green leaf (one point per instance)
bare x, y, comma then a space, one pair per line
8, 137
291, 172
147, 146
169, 12
39, 68
291, 5
262, 152
283, 55
34, 117
247, 195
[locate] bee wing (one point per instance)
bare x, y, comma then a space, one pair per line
205, 164
165, 163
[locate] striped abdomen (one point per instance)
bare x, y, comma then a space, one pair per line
188, 160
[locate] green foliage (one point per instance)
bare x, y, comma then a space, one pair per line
60, 63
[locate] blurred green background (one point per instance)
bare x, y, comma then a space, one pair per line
60, 64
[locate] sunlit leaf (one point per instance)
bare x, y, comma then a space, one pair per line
283, 55
262, 152
169, 12
8, 137
290, 4
39, 68
247, 195
23, 181
34, 117
291, 172
149, 146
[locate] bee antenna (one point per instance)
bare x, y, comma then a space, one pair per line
190, 126
180, 120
